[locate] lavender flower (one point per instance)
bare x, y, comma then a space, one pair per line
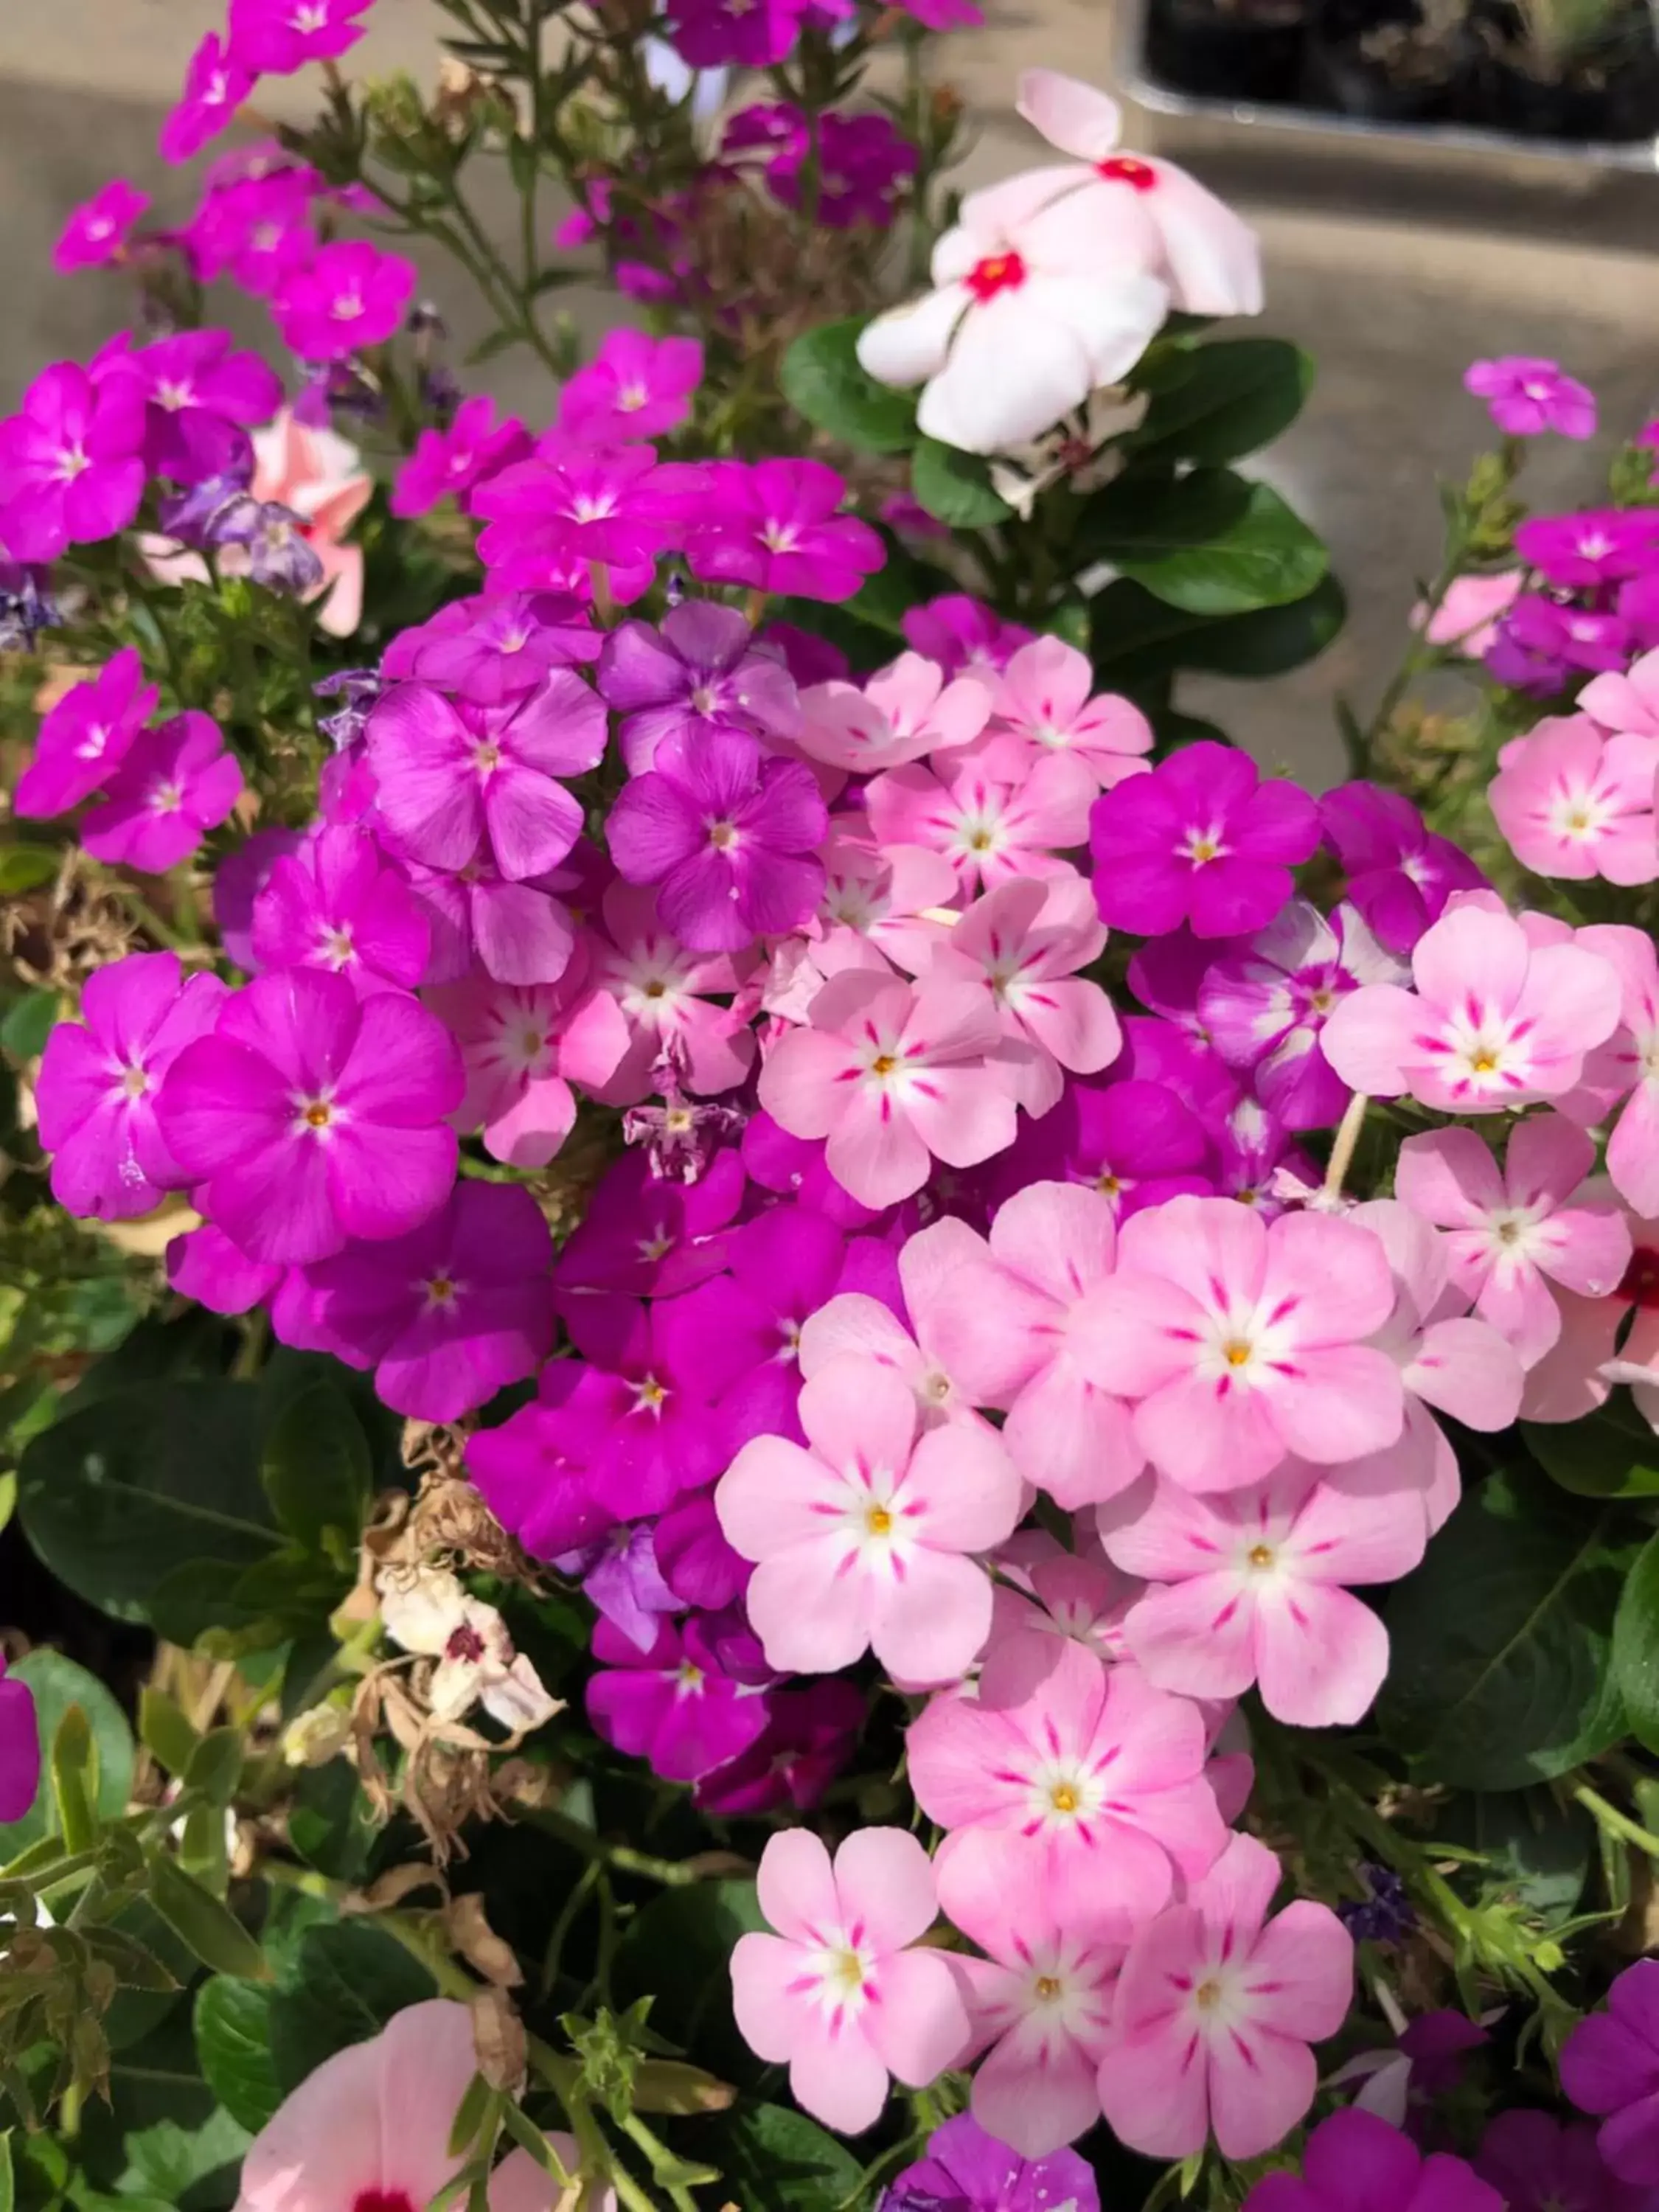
1386, 1915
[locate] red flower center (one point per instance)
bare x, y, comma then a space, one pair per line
382, 2200
997, 272
1124, 169
1641, 1281
466, 1644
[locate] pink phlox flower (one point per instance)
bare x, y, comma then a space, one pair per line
1468, 612
838, 1992
856, 1322
1494, 1020
71, 466
1244, 1341
550, 518
314, 1117
1526, 396
1251, 1586
350, 295
1604, 1341
1264, 1010
1627, 1066
1626, 703
85, 737
895, 716
523, 1045
862, 1539
775, 526
448, 464
516, 931
992, 830
668, 992
891, 896
1006, 1327
274, 37
215, 85
1572, 802
1071, 1600
95, 1096
1216, 2005
336, 904
1090, 1791
1045, 702
1514, 1233
635, 386
1580, 551
1356, 2162
895, 1076
1400, 877
964, 634
98, 230
1610, 2065
175, 782
491, 650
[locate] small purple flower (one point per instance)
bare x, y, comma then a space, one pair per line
697, 1563
449, 1314
752, 33
1527, 396
71, 470
335, 904
550, 518
274, 37
99, 1078
649, 1238
964, 634
193, 515
237, 883
349, 296
1400, 875
775, 527
215, 88
175, 782
357, 689
1136, 1143
86, 736
620, 1580
967, 2171
1355, 2160
681, 1134
729, 838
1600, 546
1539, 642
273, 536
314, 1117
1540, 2164
202, 394
97, 232
1386, 1915
20, 1747
635, 386
1256, 1158
499, 648
1200, 839
672, 1705
447, 463
1610, 2066
811, 1734
698, 675
27, 607
518, 933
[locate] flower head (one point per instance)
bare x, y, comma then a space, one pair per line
175, 782
273, 38
215, 85
1610, 2066
1527, 396
451, 463
635, 386
20, 1747
696, 676
86, 736
426, 1611
673, 1703
98, 229
1354, 2161
775, 527
523, 1044
71, 466
349, 296
966, 2170
1400, 877
571, 506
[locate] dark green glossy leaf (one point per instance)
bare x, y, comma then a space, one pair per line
231, 2025
317, 1469
1636, 1645
678, 1953
1611, 1452
1236, 396
1531, 1848
345, 1982
1134, 638
59, 1684
198, 1919
823, 380
1210, 544
775, 2160
956, 488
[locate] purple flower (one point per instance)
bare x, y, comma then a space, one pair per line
97, 231
27, 607
698, 676
862, 162
1538, 642
257, 227
1538, 2164
175, 783
1526, 396
1355, 2162
1611, 2066
809, 659
274, 37
672, 1705
650, 1237
215, 88
1200, 839
1253, 1147
620, 1580
962, 633
86, 736
202, 394
697, 1563
635, 386
498, 650
773, 526
550, 518
98, 1080
1137, 1143
279, 556
20, 1747
335, 904
1386, 1915
794, 1167
1400, 877
811, 1734
351, 297
728, 837
357, 689
194, 514
753, 33
446, 464
237, 883
314, 1117
967, 2171
520, 932
71, 466
1576, 551
451, 775
449, 1314
680, 1136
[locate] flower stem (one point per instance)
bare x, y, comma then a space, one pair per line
1342, 1150
672, 1874
1615, 1823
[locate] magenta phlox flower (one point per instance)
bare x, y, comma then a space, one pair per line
862, 162
696, 676
71, 467
1045, 703
865, 1539
991, 829
96, 1094
274, 37
1135, 1143
98, 230
774, 526
19, 1747
449, 1314
259, 229
728, 837
517, 932
1526, 396
962, 635
1577, 552
651, 1237
697, 1563
811, 1734
1573, 802
1539, 641
448, 464
622, 1581
523, 1046
785, 1266
493, 650
1201, 839
965, 2169
215, 85
1242, 1341
895, 1076
571, 506
709, 34
1610, 2066
1264, 1011
635, 386
863, 1322
796, 1168
347, 296
895, 716
314, 1117
1494, 1020
85, 737
672, 1703
203, 393
1089, 1792
668, 995
175, 782
1400, 877
205, 1266
1539, 2164
1355, 2162
336, 904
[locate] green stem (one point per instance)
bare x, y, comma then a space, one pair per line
1615, 1822
672, 1874
658, 2156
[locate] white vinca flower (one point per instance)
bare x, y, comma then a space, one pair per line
426, 1611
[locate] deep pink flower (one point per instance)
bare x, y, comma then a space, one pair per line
349, 296
98, 1080
775, 527
215, 85
570, 508
672, 1703
273, 38
669, 997
97, 231
1539, 2165
448, 464
1355, 2162
635, 386
336, 904
1610, 2065
993, 829
697, 676
258, 227
728, 837
811, 1734
203, 394
966, 2169
1134, 1142
522, 1045
962, 635
314, 1117
517, 932
84, 737
710, 32
1574, 551
785, 1266
71, 466
175, 782
1398, 876
862, 161
19, 1747
1527, 396
1201, 839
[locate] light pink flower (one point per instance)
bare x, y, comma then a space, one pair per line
1250, 1586
522, 1045
1007, 1327
853, 1322
894, 1075
669, 997
1090, 1790
1467, 614
1572, 802
1628, 701
862, 1538
837, 1993
1244, 1341
892, 896
898, 714
1045, 703
991, 829
1216, 2007
1513, 1233
1071, 1600
1495, 1019
1629, 1062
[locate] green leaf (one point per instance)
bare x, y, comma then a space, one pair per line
178, 2165
198, 1919
773, 2159
216, 1765
59, 1684
118, 1493
329, 1822
1133, 636
231, 2025
8, 2187
317, 1470
164, 1730
1531, 1848
74, 1769
26, 867
1211, 542
498, 342
1500, 1642
955, 487
822, 380
346, 1982
1235, 396
1636, 1645
1611, 1452
29, 1023
678, 1952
